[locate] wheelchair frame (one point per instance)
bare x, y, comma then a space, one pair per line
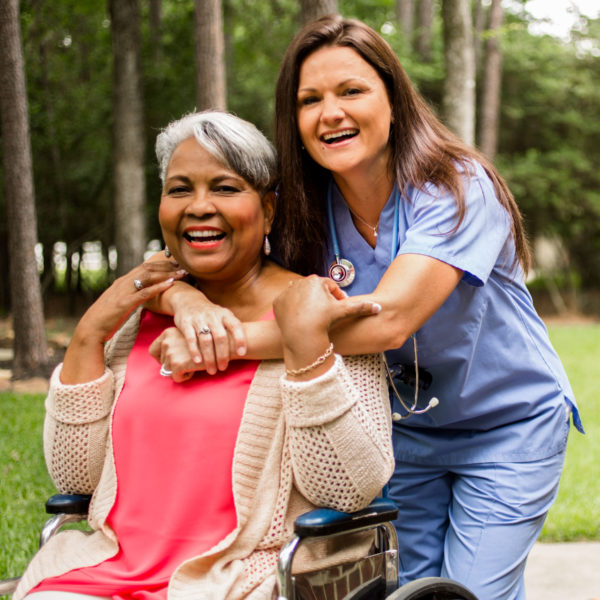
320, 523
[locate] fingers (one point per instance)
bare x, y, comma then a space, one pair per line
171, 352
212, 333
361, 308
235, 330
148, 274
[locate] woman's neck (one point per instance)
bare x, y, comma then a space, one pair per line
366, 194
251, 296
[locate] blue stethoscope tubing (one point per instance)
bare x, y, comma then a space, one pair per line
333, 230
410, 410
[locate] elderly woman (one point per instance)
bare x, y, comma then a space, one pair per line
196, 484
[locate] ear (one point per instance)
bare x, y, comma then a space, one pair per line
268, 203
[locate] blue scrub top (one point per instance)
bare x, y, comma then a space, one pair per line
503, 392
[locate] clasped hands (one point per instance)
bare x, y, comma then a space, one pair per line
304, 311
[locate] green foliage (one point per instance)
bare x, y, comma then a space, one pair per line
549, 138
550, 121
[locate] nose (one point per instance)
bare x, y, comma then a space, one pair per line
332, 109
200, 205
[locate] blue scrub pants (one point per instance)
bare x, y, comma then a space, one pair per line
473, 523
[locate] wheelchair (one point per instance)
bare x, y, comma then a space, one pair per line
374, 577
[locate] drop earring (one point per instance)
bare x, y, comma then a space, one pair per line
167, 252
267, 246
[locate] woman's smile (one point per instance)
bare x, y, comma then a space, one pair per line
203, 238
213, 220
343, 110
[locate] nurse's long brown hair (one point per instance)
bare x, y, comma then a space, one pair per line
422, 148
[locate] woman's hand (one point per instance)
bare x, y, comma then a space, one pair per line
84, 359
171, 350
305, 313
214, 335
314, 304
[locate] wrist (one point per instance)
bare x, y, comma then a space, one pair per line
308, 359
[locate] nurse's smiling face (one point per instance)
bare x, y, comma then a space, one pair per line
344, 113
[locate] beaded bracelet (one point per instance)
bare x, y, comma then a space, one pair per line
312, 366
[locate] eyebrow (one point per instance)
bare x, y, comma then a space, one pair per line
341, 83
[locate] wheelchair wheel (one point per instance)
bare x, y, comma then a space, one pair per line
432, 588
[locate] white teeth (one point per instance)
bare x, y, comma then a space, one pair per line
202, 234
332, 136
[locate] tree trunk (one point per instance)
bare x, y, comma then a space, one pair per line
458, 103
155, 28
478, 19
128, 135
30, 348
405, 11
489, 114
424, 29
211, 87
313, 9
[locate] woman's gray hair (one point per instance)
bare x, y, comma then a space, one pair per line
236, 143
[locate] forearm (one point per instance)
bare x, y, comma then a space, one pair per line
75, 430
340, 421
84, 358
264, 340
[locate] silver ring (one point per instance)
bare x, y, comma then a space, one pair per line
204, 330
165, 372
138, 284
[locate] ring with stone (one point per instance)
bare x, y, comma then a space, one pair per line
204, 330
138, 284
165, 372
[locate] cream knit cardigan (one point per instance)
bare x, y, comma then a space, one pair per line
324, 442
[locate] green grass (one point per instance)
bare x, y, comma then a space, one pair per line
24, 483
576, 513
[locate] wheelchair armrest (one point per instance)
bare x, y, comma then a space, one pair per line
68, 504
326, 521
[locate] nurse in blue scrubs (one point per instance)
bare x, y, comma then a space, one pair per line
377, 195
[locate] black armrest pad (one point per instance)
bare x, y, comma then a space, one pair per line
70, 504
326, 521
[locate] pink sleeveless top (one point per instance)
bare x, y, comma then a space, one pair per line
173, 445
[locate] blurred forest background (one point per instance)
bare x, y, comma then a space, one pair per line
85, 85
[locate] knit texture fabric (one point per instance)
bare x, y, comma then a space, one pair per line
323, 442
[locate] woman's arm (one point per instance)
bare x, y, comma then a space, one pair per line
411, 290
337, 412
409, 293
84, 358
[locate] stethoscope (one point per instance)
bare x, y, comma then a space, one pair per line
342, 271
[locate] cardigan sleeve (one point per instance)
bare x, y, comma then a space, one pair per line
339, 433
76, 431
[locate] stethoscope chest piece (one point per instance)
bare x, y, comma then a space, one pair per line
342, 272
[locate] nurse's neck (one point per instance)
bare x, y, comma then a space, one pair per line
366, 193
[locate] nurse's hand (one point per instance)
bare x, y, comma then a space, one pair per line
171, 350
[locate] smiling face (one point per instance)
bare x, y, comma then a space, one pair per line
343, 112
212, 220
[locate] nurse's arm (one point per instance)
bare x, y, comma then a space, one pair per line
411, 290
409, 293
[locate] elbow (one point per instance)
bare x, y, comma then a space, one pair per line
394, 332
